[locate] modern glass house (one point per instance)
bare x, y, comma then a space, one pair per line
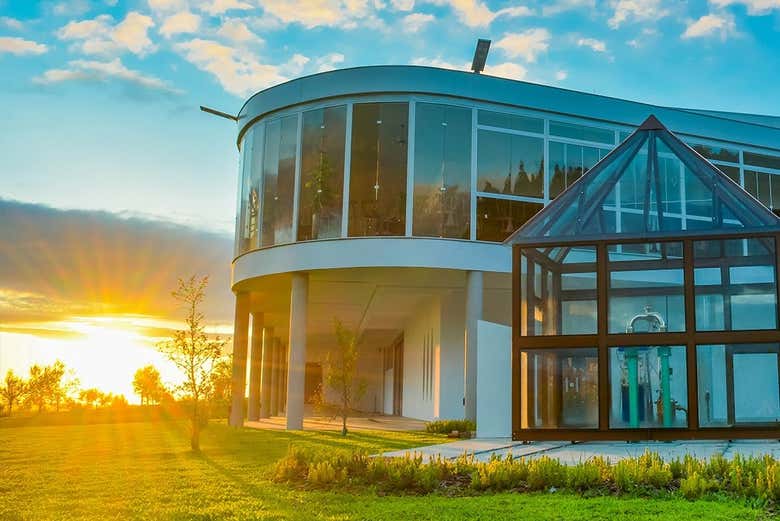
381, 196
646, 303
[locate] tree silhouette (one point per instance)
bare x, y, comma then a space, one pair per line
12, 390
147, 385
341, 369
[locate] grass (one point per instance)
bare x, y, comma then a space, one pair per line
145, 471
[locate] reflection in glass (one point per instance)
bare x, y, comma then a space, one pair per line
510, 121
717, 153
735, 284
762, 160
648, 387
583, 132
558, 295
559, 388
765, 187
442, 171
510, 164
278, 180
322, 171
245, 208
497, 219
377, 184
738, 384
568, 162
646, 288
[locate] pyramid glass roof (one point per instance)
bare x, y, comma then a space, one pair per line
652, 185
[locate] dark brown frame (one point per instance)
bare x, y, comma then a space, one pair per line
603, 340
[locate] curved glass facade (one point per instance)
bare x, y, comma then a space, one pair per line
440, 167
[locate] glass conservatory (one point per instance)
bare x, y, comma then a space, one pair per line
645, 303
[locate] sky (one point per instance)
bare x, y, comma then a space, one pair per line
113, 184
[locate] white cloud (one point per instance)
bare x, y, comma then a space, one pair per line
238, 71
100, 36
474, 13
314, 13
237, 31
412, 23
561, 75
11, 23
159, 6
711, 24
103, 71
594, 44
505, 70
527, 44
560, 6
70, 8
20, 46
184, 22
754, 7
637, 10
216, 7
329, 61
402, 5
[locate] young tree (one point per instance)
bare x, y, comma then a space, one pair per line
221, 381
341, 372
194, 353
90, 397
147, 385
12, 390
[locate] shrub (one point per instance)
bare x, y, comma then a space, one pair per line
447, 426
648, 471
696, 485
546, 472
585, 476
499, 474
324, 473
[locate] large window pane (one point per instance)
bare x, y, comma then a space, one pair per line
738, 384
762, 160
278, 180
497, 219
510, 164
558, 291
248, 204
583, 132
322, 173
569, 162
648, 387
442, 171
511, 121
646, 288
559, 389
377, 184
735, 284
717, 153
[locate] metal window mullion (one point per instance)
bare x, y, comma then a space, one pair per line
690, 333
602, 321
546, 173
347, 169
473, 191
409, 216
297, 184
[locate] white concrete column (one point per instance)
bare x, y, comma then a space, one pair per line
255, 367
276, 373
268, 361
296, 358
240, 338
473, 315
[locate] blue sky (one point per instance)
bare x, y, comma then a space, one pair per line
99, 98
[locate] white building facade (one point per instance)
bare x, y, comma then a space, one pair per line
380, 197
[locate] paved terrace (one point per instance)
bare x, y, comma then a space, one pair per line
569, 453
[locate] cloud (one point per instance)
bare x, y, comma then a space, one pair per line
711, 24
20, 46
70, 8
329, 61
101, 36
159, 6
237, 31
594, 44
11, 23
183, 22
474, 13
412, 23
528, 44
103, 72
754, 7
239, 71
504, 70
216, 7
560, 6
314, 13
59, 263
636, 10
402, 5
561, 75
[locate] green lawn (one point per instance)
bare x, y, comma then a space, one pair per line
145, 471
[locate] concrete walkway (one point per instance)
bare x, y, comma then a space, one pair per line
329, 423
570, 454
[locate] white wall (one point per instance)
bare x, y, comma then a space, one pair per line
421, 332
453, 345
494, 380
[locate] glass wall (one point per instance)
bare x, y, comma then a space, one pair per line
322, 173
442, 171
519, 163
279, 155
377, 182
559, 388
648, 387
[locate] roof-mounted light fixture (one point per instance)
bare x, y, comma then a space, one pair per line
480, 55
219, 113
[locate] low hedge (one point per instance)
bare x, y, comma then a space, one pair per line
448, 426
743, 477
